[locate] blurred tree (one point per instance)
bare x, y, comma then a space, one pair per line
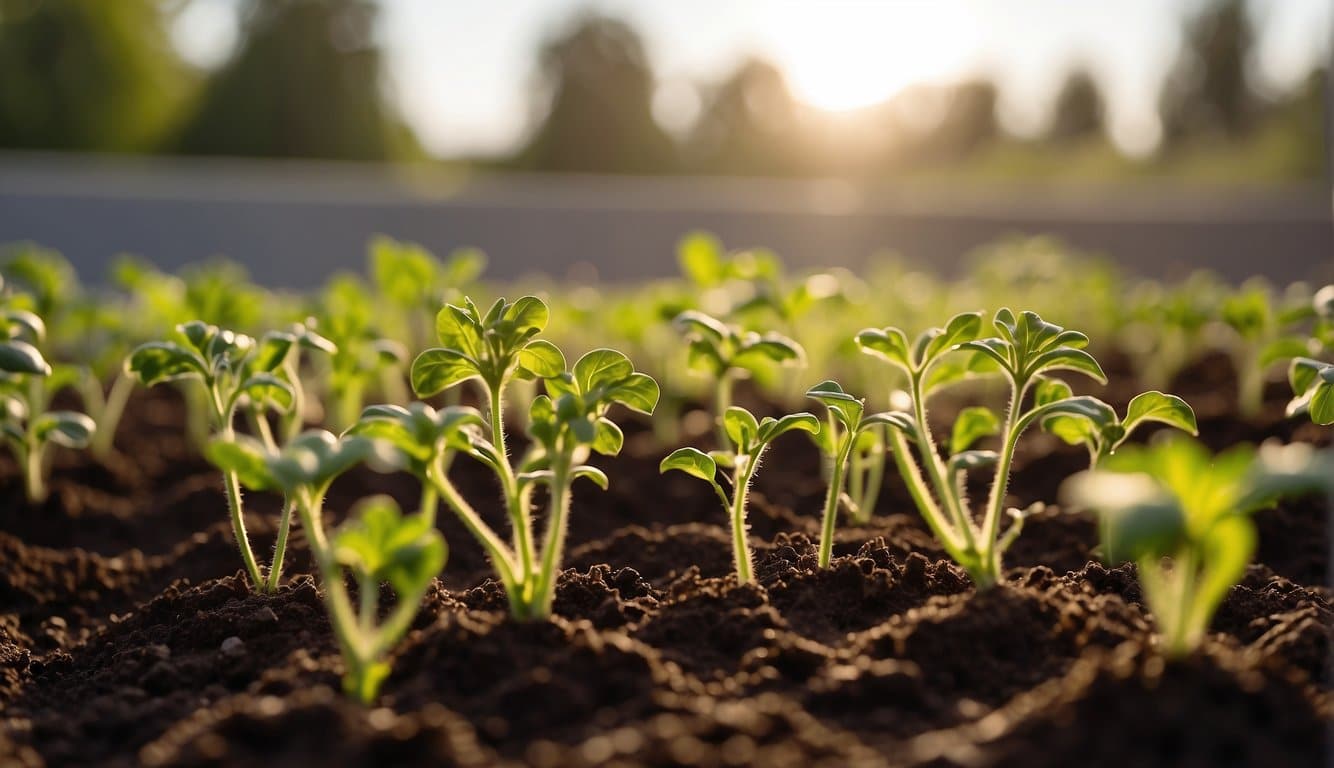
1206, 90
1079, 112
91, 75
306, 81
967, 123
597, 89
749, 125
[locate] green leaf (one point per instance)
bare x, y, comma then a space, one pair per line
1162, 408
271, 351
638, 392
26, 321
1138, 517
1285, 348
601, 368
315, 457
1303, 372
889, 344
1072, 430
1050, 390
160, 361
438, 369
1225, 550
1068, 359
607, 437
973, 424
846, 408
246, 457
899, 420
771, 428
692, 461
1083, 406
962, 327
267, 388
528, 314
383, 545
741, 427
67, 428
464, 267
966, 461
457, 328
542, 358
771, 347
1321, 407
542, 419
700, 257
701, 326
592, 473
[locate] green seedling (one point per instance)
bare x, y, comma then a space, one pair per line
236, 373
366, 361
1026, 351
750, 439
1183, 516
565, 424
727, 353
412, 284
1099, 430
28, 425
1313, 380
1263, 327
377, 544
846, 423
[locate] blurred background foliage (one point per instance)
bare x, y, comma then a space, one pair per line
307, 78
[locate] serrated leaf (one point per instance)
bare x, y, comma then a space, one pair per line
972, 424
1159, 407
435, 370
542, 358
692, 461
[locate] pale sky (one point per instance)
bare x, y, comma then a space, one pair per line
459, 70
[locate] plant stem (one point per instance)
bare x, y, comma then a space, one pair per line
499, 553
831, 501
740, 490
936, 467
232, 485
430, 501
921, 495
280, 547
989, 557
35, 481
113, 408
520, 517
871, 490
342, 619
553, 547
721, 402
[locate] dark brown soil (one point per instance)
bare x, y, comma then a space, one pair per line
128, 636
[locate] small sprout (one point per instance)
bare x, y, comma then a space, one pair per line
1183, 516
1313, 389
1027, 351
236, 373
377, 544
750, 438
1100, 431
846, 423
727, 353
27, 382
1264, 330
566, 423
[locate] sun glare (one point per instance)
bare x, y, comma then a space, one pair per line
841, 57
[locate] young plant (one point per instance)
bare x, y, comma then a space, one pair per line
366, 359
377, 544
846, 423
1100, 431
750, 438
26, 422
1313, 380
566, 423
236, 373
1262, 326
1183, 516
1026, 350
727, 353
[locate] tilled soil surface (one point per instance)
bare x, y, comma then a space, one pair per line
128, 635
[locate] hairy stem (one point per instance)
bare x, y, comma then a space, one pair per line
832, 499
745, 470
554, 546
935, 467
280, 547
521, 520
989, 565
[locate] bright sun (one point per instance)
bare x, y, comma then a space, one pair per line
846, 56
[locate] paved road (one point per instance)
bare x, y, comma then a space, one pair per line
293, 224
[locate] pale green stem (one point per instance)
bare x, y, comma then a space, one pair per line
496, 549
831, 501
520, 517
232, 485
989, 564
936, 467
554, 545
113, 408
722, 401
921, 495
280, 547
33, 474
745, 470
